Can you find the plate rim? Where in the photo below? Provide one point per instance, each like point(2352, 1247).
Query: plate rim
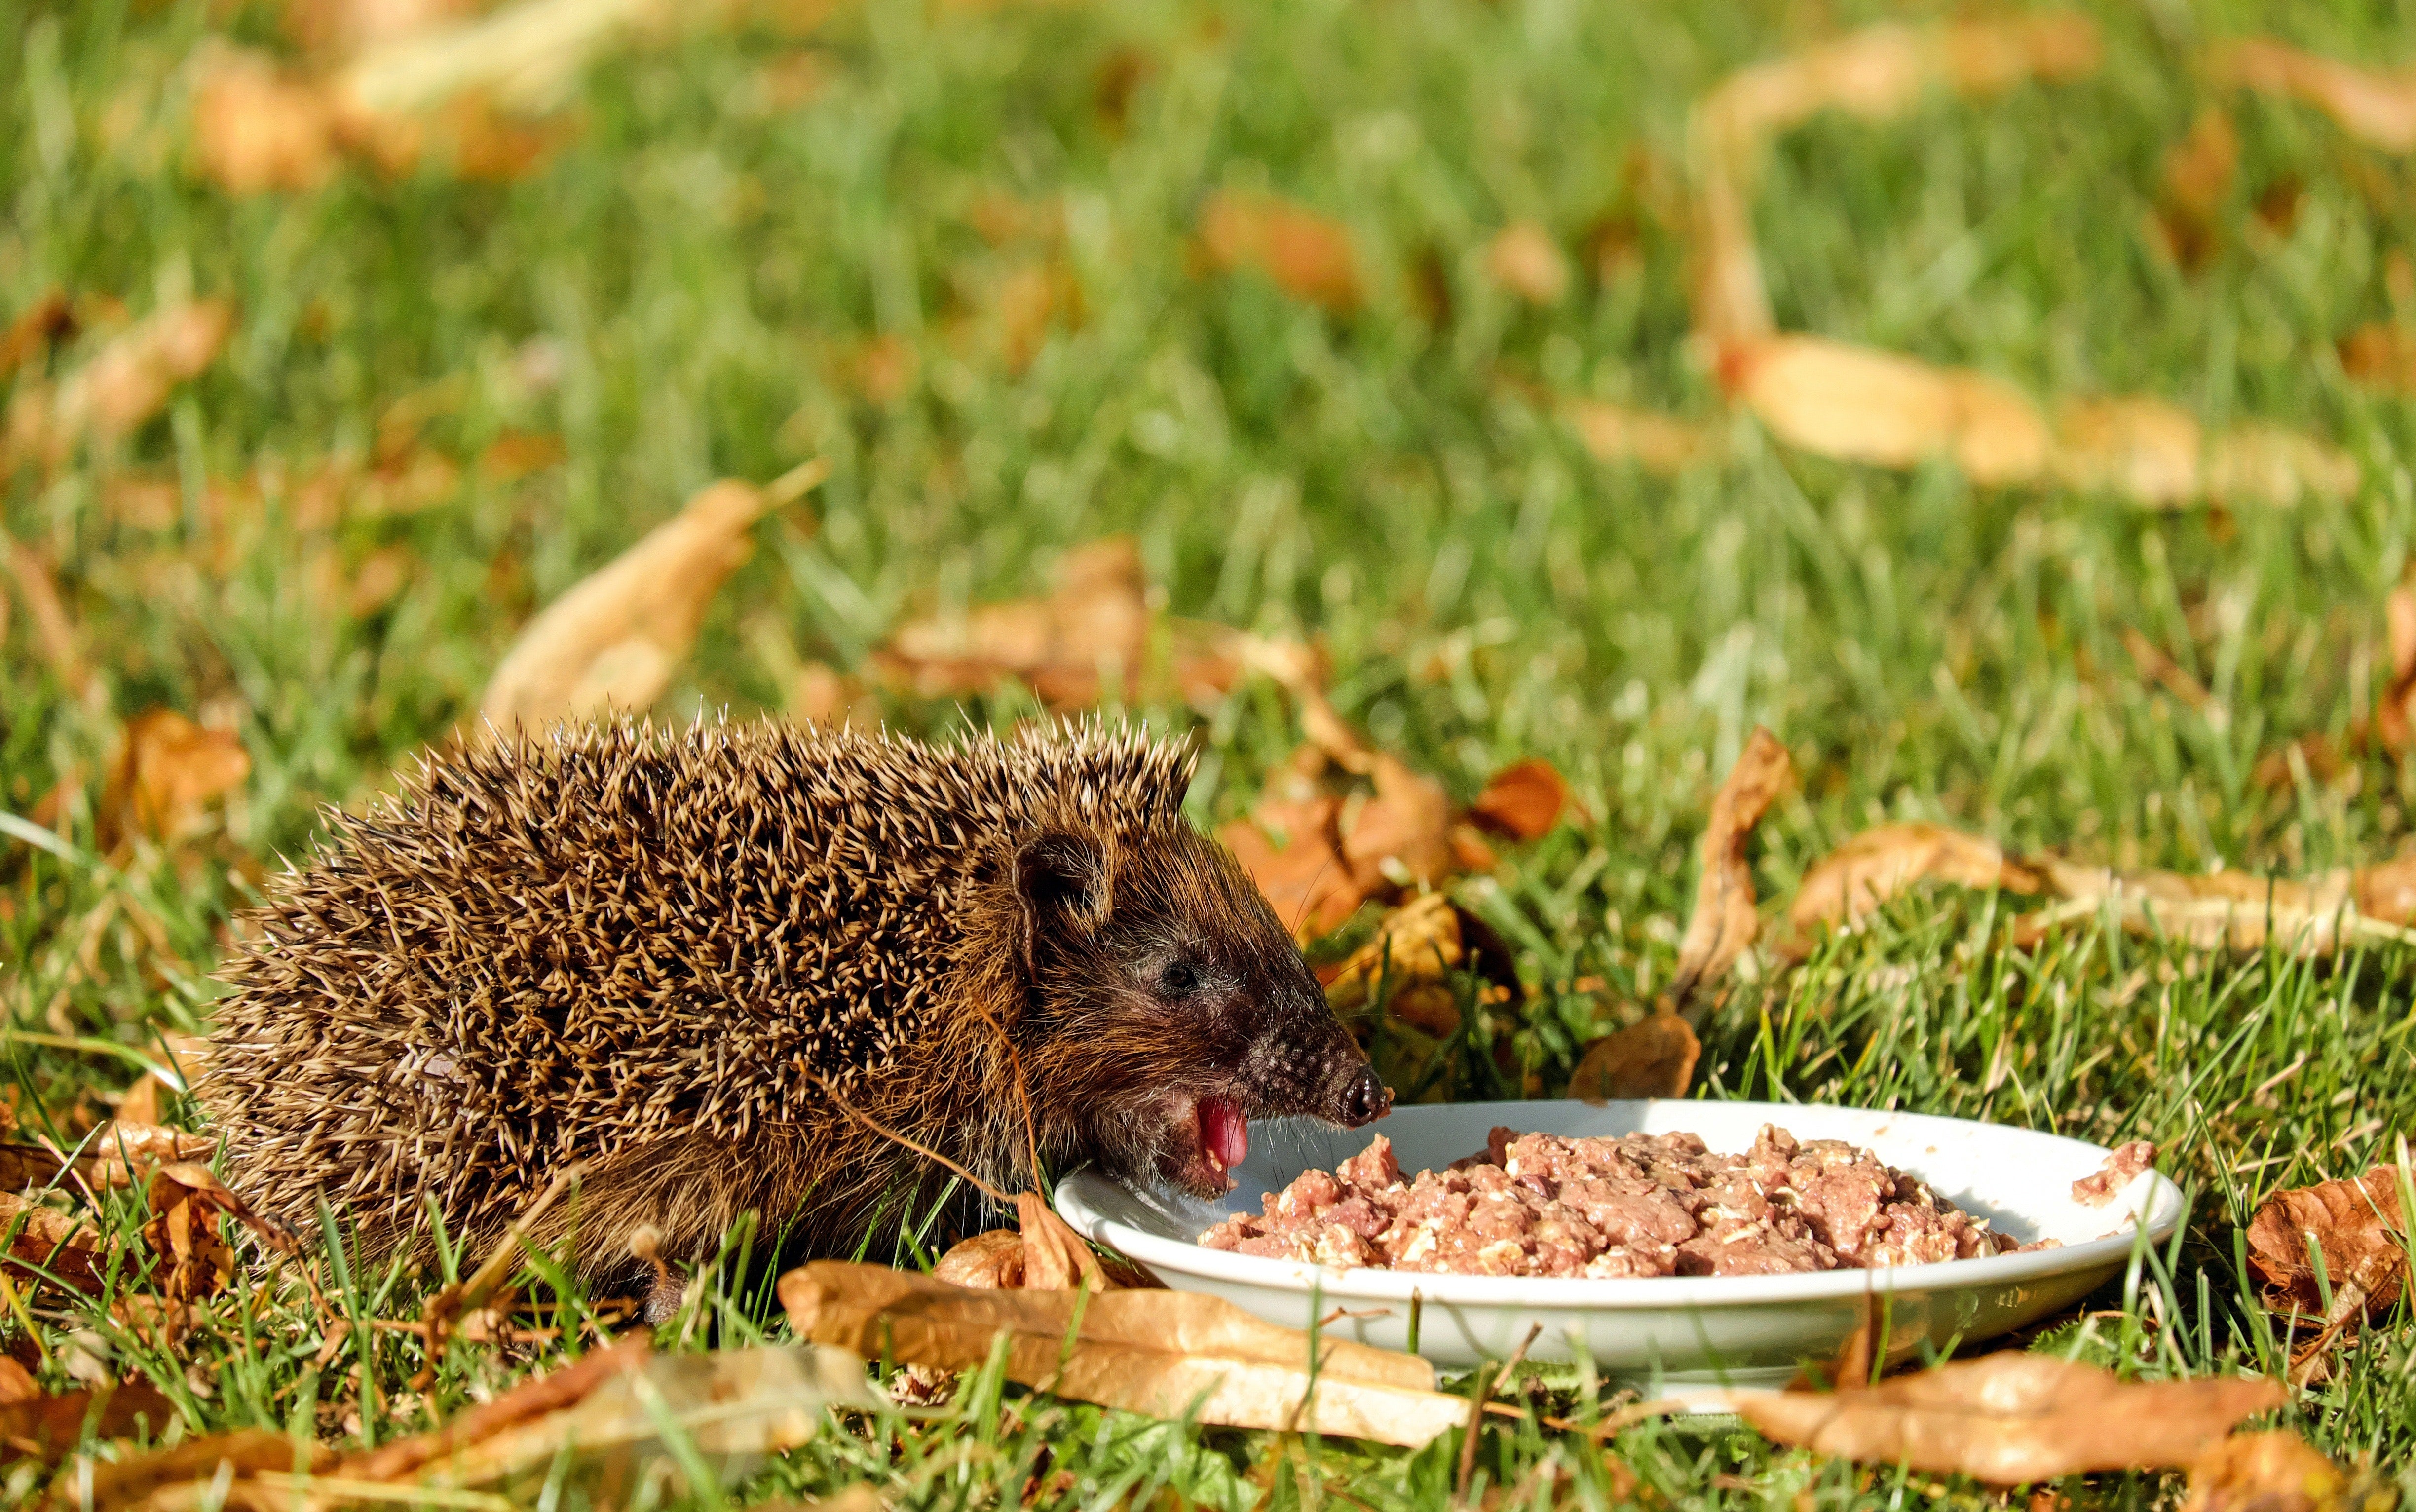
point(2157, 1215)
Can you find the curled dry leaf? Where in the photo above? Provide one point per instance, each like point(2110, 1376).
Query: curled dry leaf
point(1166, 1353)
point(1724, 922)
point(166, 771)
point(2270, 1472)
point(1055, 1258)
point(122, 386)
point(1874, 73)
point(2376, 106)
point(1402, 833)
point(992, 1262)
point(2011, 1418)
point(1525, 260)
point(1653, 1059)
point(617, 638)
point(2358, 1226)
point(52, 1428)
point(2380, 355)
point(195, 1260)
point(1305, 254)
point(2236, 910)
point(36, 329)
point(1523, 800)
point(1092, 631)
point(1853, 881)
point(255, 129)
point(45, 1242)
point(2197, 178)
point(1291, 847)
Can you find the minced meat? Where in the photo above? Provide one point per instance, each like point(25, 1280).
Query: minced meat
point(1643, 1205)
point(2120, 1169)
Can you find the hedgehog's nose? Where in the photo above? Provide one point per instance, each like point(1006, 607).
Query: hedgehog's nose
point(1364, 1099)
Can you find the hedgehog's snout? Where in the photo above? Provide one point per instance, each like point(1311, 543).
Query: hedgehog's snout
point(1364, 1098)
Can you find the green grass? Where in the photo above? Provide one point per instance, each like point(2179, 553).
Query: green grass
point(698, 270)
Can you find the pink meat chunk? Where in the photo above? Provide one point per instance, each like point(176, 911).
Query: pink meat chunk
point(2120, 1169)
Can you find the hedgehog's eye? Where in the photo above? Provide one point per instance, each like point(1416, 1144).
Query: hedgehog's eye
point(1180, 979)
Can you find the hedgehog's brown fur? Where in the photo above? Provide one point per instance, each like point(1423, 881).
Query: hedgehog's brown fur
point(651, 950)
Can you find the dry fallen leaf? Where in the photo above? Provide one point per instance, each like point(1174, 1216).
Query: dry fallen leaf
point(2381, 355)
point(2199, 172)
point(1862, 405)
point(2156, 454)
point(2013, 1417)
point(40, 326)
point(1851, 882)
point(1305, 254)
point(2376, 106)
point(1293, 849)
point(255, 129)
point(195, 1260)
point(1524, 800)
point(1402, 833)
point(1874, 73)
point(2236, 910)
point(50, 1427)
point(1164, 1353)
point(2270, 1471)
point(1724, 923)
point(167, 772)
point(1092, 632)
point(992, 1262)
point(2357, 1225)
point(43, 1241)
point(1525, 260)
point(1653, 1059)
point(123, 385)
point(618, 636)
point(1425, 940)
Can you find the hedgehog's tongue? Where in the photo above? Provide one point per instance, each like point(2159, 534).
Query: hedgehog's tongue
point(1224, 1133)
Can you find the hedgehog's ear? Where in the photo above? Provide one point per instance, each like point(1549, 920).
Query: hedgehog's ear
point(1062, 879)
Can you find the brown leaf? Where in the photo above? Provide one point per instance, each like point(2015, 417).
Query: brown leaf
point(533, 1398)
point(2012, 1417)
point(617, 638)
point(989, 1262)
point(46, 1238)
point(51, 1428)
point(2235, 909)
point(1525, 260)
point(195, 1260)
point(37, 327)
point(1402, 833)
point(2198, 178)
point(2380, 355)
point(1305, 878)
point(1851, 882)
point(1305, 254)
point(1860, 404)
point(2270, 1472)
point(243, 1453)
point(1419, 942)
point(1524, 800)
point(1724, 922)
point(166, 771)
point(255, 131)
point(1662, 445)
point(1158, 1353)
point(2376, 106)
point(2355, 1221)
point(1653, 1059)
point(124, 384)
point(123, 1151)
point(2157, 455)
point(1093, 630)
point(16, 1383)
point(1055, 1258)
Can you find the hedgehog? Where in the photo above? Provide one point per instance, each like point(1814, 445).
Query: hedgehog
point(754, 968)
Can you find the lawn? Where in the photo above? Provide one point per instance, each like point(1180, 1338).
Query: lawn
point(958, 252)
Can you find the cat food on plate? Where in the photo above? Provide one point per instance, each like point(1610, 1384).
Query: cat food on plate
point(1634, 1206)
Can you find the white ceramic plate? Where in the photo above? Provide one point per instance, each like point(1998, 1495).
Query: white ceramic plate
point(1742, 1330)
